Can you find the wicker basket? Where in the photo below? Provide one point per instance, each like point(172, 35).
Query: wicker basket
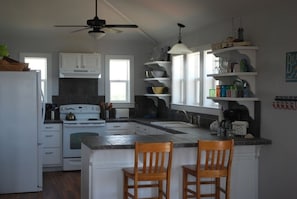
point(8, 66)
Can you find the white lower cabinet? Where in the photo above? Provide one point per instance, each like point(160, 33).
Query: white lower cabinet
point(52, 145)
point(120, 128)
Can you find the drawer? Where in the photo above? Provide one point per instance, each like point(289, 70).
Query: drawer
point(52, 127)
point(51, 139)
point(52, 156)
point(120, 132)
point(119, 125)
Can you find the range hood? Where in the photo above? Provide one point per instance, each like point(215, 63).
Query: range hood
point(80, 65)
point(79, 73)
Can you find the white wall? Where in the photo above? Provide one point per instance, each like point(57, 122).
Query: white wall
point(46, 44)
point(274, 31)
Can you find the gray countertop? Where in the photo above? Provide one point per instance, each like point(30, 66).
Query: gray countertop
point(181, 137)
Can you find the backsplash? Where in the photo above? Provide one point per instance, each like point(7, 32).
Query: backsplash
point(78, 91)
point(78, 87)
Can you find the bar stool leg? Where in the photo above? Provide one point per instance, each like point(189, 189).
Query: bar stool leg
point(125, 194)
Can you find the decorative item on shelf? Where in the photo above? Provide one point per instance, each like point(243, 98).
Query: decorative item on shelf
point(158, 89)
point(148, 74)
point(157, 73)
point(285, 102)
point(8, 64)
point(3, 51)
point(244, 66)
point(179, 48)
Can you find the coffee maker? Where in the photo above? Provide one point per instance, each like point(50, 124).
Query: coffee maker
point(231, 115)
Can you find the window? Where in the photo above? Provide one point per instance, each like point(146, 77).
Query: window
point(119, 80)
point(39, 62)
point(190, 82)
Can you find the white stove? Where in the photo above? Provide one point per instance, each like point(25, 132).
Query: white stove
point(87, 123)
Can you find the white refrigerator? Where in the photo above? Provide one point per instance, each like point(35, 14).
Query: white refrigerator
point(20, 132)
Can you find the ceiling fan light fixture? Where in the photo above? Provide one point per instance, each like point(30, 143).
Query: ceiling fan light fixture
point(179, 48)
point(97, 34)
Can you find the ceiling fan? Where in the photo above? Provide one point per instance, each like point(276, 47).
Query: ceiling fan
point(98, 26)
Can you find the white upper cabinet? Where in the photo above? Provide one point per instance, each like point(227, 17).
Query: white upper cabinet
point(80, 65)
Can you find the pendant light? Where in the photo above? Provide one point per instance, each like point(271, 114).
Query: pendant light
point(179, 48)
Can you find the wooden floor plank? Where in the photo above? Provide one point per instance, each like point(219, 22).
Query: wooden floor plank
point(56, 185)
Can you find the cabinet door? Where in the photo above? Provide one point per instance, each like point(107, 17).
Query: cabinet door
point(91, 62)
point(70, 61)
point(120, 128)
point(52, 144)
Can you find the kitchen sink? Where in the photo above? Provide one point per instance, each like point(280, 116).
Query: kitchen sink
point(174, 124)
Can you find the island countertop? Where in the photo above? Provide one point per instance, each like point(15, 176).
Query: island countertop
point(188, 139)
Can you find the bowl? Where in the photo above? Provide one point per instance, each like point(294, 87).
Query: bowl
point(158, 89)
point(157, 73)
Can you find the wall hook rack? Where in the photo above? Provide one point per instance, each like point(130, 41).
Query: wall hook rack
point(285, 102)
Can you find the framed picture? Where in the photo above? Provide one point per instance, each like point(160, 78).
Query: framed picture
point(291, 66)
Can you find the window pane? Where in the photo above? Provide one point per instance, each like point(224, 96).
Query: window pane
point(118, 91)
point(210, 64)
point(178, 79)
point(38, 63)
point(193, 78)
point(119, 69)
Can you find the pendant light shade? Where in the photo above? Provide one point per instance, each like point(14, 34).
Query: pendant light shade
point(179, 48)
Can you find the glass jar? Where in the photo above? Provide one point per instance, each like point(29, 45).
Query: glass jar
point(218, 91)
point(223, 90)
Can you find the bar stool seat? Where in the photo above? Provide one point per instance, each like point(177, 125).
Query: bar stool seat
point(152, 164)
point(214, 160)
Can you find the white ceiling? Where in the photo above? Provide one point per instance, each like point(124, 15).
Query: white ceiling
point(157, 19)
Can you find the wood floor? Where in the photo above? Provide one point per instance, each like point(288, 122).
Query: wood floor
point(56, 185)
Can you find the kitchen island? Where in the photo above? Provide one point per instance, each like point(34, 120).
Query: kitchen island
point(103, 158)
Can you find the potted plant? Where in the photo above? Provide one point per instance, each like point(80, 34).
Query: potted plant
point(3, 51)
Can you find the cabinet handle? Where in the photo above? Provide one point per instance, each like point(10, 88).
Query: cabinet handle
point(116, 126)
point(48, 136)
point(49, 127)
point(48, 153)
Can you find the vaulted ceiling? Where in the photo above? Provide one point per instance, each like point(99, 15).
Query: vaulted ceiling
point(157, 19)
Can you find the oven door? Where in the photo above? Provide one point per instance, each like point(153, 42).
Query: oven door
point(72, 136)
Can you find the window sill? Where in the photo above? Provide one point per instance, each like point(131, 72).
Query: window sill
point(123, 105)
point(197, 109)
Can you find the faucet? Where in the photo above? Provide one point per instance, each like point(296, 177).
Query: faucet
point(185, 115)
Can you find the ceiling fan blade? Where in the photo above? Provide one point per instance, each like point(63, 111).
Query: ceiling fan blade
point(121, 26)
point(82, 29)
point(71, 26)
point(111, 30)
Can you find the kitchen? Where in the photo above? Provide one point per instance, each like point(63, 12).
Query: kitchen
point(271, 30)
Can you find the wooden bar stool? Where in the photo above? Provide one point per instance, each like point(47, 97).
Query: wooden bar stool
point(155, 168)
point(214, 159)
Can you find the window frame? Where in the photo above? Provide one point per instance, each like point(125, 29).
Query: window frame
point(201, 108)
point(130, 89)
point(47, 82)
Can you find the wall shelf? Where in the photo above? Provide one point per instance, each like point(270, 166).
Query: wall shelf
point(238, 99)
point(236, 74)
